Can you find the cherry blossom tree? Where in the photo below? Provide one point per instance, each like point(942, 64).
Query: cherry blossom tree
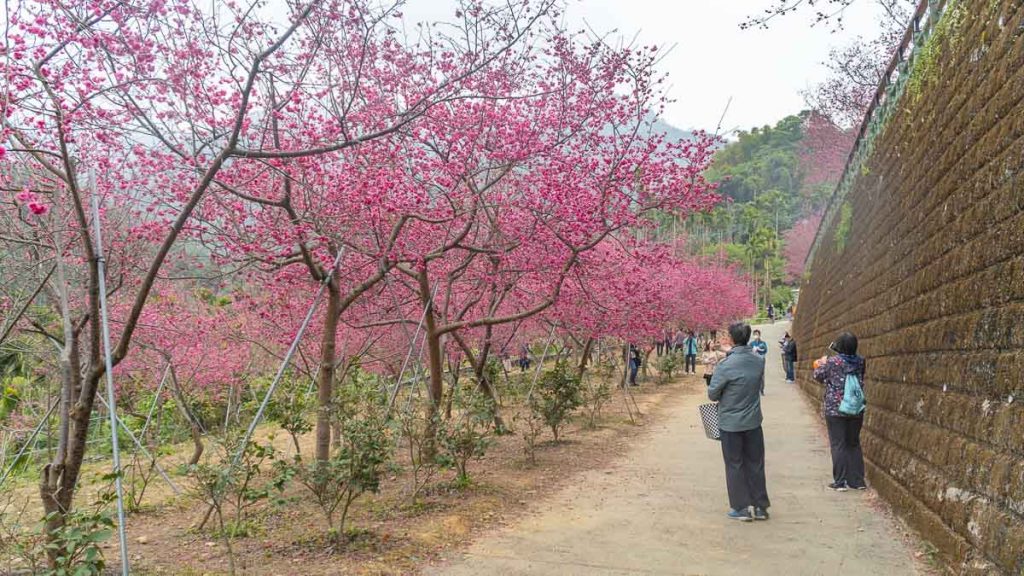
point(797, 242)
point(824, 150)
point(176, 108)
point(831, 12)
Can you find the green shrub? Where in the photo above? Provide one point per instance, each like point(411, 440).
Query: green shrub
point(558, 394)
point(468, 435)
point(360, 459)
point(668, 364)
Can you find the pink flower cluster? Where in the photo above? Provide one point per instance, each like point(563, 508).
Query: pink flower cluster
point(32, 202)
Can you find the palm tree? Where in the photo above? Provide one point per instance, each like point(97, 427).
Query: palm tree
point(761, 248)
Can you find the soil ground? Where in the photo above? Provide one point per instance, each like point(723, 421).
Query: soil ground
point(391, 535)
point(661, 509)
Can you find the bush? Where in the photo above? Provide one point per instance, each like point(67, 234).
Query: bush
point(595, 397)
point(289, 410)
point(668, 364)
point(467, 436)
point(76, 546)
point(530, 424)
point(412, 425)
point(557, 395)
point(230, 490)
point(360, 460)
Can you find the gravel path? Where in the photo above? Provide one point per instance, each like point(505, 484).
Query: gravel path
point(661, 510)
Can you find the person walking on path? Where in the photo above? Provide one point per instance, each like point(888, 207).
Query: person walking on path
point(524, 358)
point(678, 342)
point(710, 358)
point(788, 346)
point(843, 417)
point(736, 385)
point(690, 348)
point(771, 313)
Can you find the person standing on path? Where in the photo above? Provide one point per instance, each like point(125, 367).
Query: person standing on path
point(758, 346)
point(524, 358)
point(635, 360)
point(690, 348)
point(843, 429)
point(678, 342)
point(712, 356)
point(788, 347)
point(737, 384)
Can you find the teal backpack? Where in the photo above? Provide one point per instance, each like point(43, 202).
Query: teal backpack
point(853, 397)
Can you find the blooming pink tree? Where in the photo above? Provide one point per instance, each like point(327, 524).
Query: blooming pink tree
point(178, 111)
point(824, 150)
point(797, 243)
point(636, 293)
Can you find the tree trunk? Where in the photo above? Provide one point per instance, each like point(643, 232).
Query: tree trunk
point(479, 364)
point(588, 346)
point(193, 423)
point(484, 381)
point(325, 378)
point(435, 386)
point(453, 369)
point(59, 478)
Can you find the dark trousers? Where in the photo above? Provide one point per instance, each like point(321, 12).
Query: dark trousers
point(787, 365)
point(633, 368)
point(707, 380)
point(847, 455)
point(660, 346)
point(691, 363)
point(744, 468)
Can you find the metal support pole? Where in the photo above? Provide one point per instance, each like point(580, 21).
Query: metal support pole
point(145, 452)
point(412, 345)
point(156, 400)
point(111, 401)
point(28, 443)
point(540, 365)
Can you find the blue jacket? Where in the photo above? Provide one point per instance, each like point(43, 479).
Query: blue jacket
point(760, 347)
point(690, 345)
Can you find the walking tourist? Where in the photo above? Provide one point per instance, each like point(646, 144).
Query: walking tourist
point(843, 407)
point(735, 385)
point(690, 347)
point(771, 313)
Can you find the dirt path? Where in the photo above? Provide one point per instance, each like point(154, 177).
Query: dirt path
point(662, 509)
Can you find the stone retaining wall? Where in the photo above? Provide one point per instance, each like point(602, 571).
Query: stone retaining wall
point(929, 274)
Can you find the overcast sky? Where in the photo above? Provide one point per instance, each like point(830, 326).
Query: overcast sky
point(763, 70)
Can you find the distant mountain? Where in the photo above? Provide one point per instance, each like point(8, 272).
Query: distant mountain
point(674, 134)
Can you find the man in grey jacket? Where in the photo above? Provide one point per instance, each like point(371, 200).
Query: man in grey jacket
point(736, 385)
